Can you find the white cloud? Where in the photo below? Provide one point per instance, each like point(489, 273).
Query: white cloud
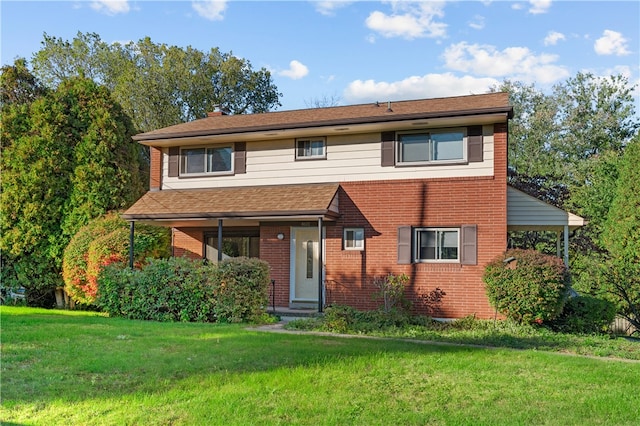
point(296, 70)
point(210, 9)
point(328, 7)
point(409, 20)
point(539, 6)
point(110, 7)
point(553, 37)
point(517, 63)
point(477, 23)
point(611, 43)
point(417, 87)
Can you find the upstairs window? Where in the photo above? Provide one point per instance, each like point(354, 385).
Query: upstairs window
point(447, 145)
point(308, 149)
point(211, 160)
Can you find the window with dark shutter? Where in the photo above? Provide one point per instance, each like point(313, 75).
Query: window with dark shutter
point(404, 245)
point(388, 149)
point(174, 161)
point(240, 157)
point(474, 144)
point(469, 242)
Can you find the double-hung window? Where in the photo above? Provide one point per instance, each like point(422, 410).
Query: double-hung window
point(307, 149)
point(207, 160)
point(445, 145)
point(437, 244)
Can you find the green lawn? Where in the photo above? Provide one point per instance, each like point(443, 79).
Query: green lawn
point(80, 368)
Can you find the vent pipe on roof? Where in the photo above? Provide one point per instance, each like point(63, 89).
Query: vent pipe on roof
point(389, 107)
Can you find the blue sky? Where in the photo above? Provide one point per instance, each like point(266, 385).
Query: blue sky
point(356, 52)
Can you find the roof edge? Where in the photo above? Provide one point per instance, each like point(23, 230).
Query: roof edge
point(508, 110)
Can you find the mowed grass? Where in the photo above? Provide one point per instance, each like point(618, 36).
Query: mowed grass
point(76, 368)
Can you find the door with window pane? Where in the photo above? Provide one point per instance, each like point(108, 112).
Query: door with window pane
point(306, 265)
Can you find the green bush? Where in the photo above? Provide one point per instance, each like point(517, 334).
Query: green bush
point(241, 289)
point(179, 289)
point(585, 315)
point(532, 288)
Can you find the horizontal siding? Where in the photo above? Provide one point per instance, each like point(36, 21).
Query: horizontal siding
point(349, 158)
point(525, 210)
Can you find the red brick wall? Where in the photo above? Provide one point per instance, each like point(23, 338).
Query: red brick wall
point(380, 207)
point(155, 172)
point(277, 253)
point(188, 242)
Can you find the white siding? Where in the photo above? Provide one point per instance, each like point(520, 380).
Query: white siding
point(349, 158)
point(527, 212)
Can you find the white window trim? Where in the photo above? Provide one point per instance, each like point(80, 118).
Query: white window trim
point(230, 172)
point(416, 248)
point(355, 247)
point(462, 160)
point(312, 157)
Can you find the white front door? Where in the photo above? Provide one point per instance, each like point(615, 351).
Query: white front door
point(305, 265)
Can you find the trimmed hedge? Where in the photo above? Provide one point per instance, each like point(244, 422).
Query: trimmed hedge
point(180, 289)
point(530, 289)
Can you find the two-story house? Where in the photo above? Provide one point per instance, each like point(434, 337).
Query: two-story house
point(333, 197)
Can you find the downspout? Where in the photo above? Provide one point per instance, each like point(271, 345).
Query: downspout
point(132, 228)
point(219, 240)
point(320, 266)
point(566, 245)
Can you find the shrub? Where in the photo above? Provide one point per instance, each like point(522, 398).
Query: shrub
point(104, 241)
point(241, 289)
point(391, 291)
point(585, 315)
point(179, 289)
point(531, 288)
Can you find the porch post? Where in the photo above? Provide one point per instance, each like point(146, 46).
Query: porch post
point(320, 266)
point(566, 245)
point(558, 250)
point(219, 240)
point(132, 227)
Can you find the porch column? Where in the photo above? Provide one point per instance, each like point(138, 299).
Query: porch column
point(219, 240)
point(132, 228)
point(320, 266)
point(566, 245)
point(558, 249)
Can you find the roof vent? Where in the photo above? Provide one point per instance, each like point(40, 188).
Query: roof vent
point(389, 107)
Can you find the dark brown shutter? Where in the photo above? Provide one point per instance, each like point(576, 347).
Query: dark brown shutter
point(240, 157)
point(174, 161)
point(469, 239)
point(474, 144)
point(388, 149)
point(404, 245)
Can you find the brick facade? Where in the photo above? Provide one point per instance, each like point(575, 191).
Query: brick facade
point(380, 207)
point(155, 171)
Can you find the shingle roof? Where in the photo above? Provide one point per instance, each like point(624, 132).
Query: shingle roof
point(243, 202)
point(353, 114)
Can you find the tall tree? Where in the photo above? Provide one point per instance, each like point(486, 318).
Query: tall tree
point(621, 238)
point(71, 159)
point(156, 84)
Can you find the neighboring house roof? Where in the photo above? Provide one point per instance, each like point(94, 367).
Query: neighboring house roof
point(527, 213)
point(485, 104)
point(253, 202)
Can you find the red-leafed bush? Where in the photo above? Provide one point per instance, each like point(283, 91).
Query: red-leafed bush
point(102, 242)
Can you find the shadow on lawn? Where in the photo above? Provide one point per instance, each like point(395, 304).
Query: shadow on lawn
point(55, 357)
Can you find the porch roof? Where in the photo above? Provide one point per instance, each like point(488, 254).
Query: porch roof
point(281, 202)
point(527, 213)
